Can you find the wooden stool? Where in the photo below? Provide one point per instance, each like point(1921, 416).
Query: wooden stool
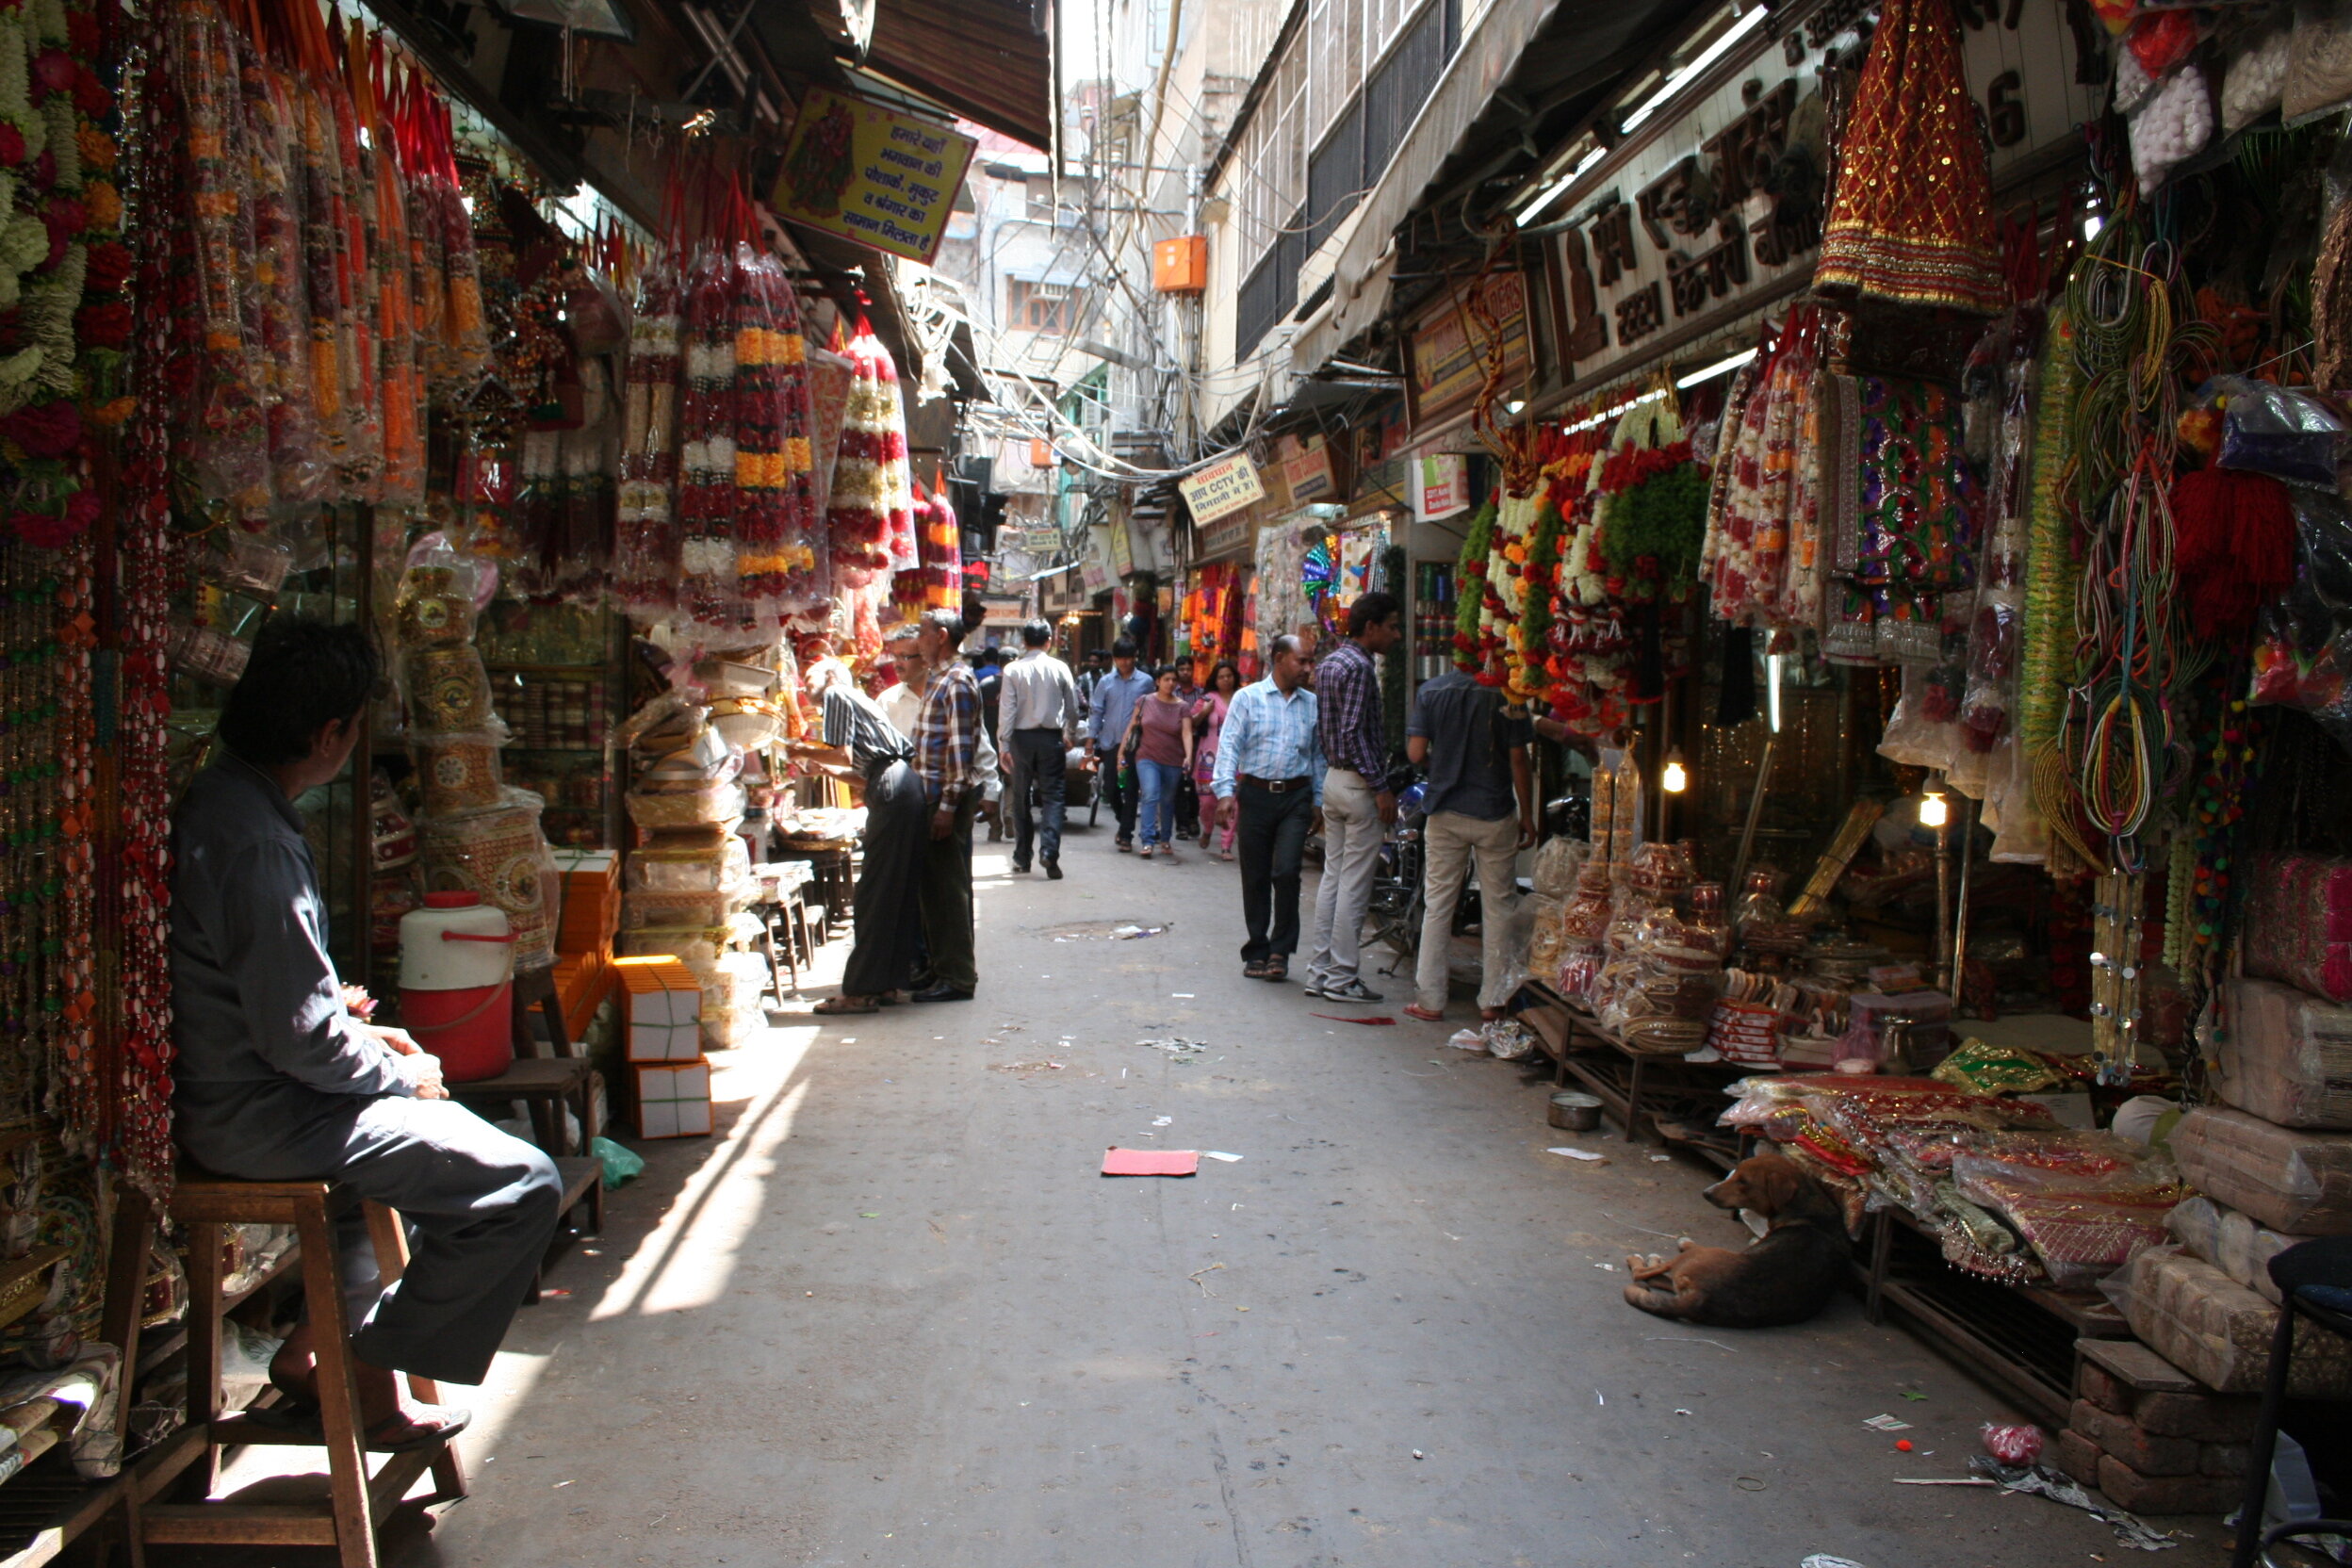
point(358, 1504)
point(548, 1086)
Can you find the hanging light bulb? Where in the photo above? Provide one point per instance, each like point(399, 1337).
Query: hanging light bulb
point(1675, 778)
point(1933, 811)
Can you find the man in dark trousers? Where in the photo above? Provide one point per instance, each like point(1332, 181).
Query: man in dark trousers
point(1037, 725)
point(1115, 699)
point(277, 1081)
point(950, 741)
point(1269, 761)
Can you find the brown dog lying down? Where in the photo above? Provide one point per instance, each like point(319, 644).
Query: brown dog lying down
point(1785, 1276)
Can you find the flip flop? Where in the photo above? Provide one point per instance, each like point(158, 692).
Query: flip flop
point(835, 1006)
point(405, 1434)
point(1413, 1009)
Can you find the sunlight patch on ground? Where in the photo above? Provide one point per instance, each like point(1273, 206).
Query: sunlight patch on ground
point(686, 1264)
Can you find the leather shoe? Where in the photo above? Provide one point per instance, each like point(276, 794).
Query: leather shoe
point(941, 993)
point(1053, 871)
point(1021, 868)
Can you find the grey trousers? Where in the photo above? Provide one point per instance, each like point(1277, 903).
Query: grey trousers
point(1352, 836)
point(480, 1208)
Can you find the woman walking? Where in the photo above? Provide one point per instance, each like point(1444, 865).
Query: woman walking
point(1204, 724)
point(1160, 737)
point(886, 928)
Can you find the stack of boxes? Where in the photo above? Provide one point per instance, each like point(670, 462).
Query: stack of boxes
point(667, 1069)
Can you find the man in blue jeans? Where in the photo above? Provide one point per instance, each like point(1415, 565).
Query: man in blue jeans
point(1114, 699)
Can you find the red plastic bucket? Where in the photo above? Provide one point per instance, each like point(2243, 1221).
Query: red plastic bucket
point(472, 1031)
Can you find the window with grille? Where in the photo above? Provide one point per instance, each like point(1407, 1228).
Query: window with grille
point(1051, 308)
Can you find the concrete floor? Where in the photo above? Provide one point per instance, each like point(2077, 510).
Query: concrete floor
point(892, 1315)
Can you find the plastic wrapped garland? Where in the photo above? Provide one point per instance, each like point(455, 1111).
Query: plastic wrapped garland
point(645, 545)
point(872, 494)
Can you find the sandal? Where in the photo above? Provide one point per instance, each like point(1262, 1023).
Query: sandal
point(403, 1434)
point(1278, 970)
point(833, 1006)
point(1414, 1009)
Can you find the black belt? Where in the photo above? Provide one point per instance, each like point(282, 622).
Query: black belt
point(1278, 786)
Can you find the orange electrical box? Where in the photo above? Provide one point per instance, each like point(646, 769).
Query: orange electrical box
point(1042, 455)
point(1181, 266)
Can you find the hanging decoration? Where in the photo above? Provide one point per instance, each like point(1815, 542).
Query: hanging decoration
point(1911, 222)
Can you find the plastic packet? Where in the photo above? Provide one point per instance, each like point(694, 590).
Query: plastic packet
point(449, 689)
point(2020, 1444)
point(441, 595)
point(1467, 1039)
point(2319, 62)
point(459, 773)
point(1557, 865)
point(709, 803)
point(2273, 430)
point(235, 562)
point(2172, 127)
point(2257, 74)
point(500, 853)
point(716, 868)
point(210, 656)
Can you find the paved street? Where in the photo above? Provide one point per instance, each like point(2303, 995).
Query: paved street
point(891, 1314)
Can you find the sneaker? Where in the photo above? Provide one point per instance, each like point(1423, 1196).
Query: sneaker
point(1313, 992)
point(1353, 990)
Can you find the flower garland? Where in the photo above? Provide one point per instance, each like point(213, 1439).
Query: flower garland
point(872, 496)
point(1654, 522)
point(1542, 578)
point(645, 550)
point(1470, 582)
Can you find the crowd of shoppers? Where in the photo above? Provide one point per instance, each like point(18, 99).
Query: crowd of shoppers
point(1302, 751)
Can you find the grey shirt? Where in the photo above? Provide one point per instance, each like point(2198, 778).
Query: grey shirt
point(1038, 693)
point(1471, 740)
point(256, 1002)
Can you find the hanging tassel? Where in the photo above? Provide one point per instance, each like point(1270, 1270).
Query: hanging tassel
point(2234, 550)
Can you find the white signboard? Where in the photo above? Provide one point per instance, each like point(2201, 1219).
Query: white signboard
point(1684, 232)
point(1222, 488)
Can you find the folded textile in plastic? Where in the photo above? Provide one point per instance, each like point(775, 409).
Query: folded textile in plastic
point(2298, 922)
point(2218, 1331)
point(2237, 1244)
point(2287, 1056)
point(2286, 1178)
point(2085, 1201)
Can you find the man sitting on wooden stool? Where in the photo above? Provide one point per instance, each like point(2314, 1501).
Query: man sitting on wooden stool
point(278, 1081)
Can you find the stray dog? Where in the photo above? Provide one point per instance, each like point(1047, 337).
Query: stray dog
point(1785, 1276)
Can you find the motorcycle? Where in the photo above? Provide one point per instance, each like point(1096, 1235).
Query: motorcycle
point(1397, 902)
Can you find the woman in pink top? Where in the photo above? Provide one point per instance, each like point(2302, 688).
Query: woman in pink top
point(1162, 740)
point(1207, 720)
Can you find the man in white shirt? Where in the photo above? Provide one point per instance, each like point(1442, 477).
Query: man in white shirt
point(1037, 724)
point(902, 702)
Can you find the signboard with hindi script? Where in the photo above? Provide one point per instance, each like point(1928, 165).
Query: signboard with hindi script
point(871, 174)
point(1222, 488)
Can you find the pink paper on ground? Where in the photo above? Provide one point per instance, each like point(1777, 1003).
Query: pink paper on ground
point(1151, 1162)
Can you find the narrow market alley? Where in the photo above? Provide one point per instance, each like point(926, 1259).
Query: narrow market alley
point(890, 1314)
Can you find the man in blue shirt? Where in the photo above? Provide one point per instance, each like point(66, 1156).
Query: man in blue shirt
point(277, 1081)
point(1481, 802)
point(1270, 763)
point(1114, 699)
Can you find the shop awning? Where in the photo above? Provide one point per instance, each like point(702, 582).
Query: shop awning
point(988, 60)
point(1527, 62)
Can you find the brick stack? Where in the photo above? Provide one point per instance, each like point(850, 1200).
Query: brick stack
point(2151, 1437)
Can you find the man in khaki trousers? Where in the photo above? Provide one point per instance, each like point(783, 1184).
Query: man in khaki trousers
point(1481, 802)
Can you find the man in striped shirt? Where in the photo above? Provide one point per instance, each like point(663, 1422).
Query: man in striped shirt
point(1357, 805)
point(1270, 761)
point(948, 741)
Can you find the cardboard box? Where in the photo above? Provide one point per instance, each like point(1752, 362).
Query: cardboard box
point(673, 1099)
point(662, 1010)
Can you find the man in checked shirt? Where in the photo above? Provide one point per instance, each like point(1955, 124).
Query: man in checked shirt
point(1357, 805)
point(948, 745)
